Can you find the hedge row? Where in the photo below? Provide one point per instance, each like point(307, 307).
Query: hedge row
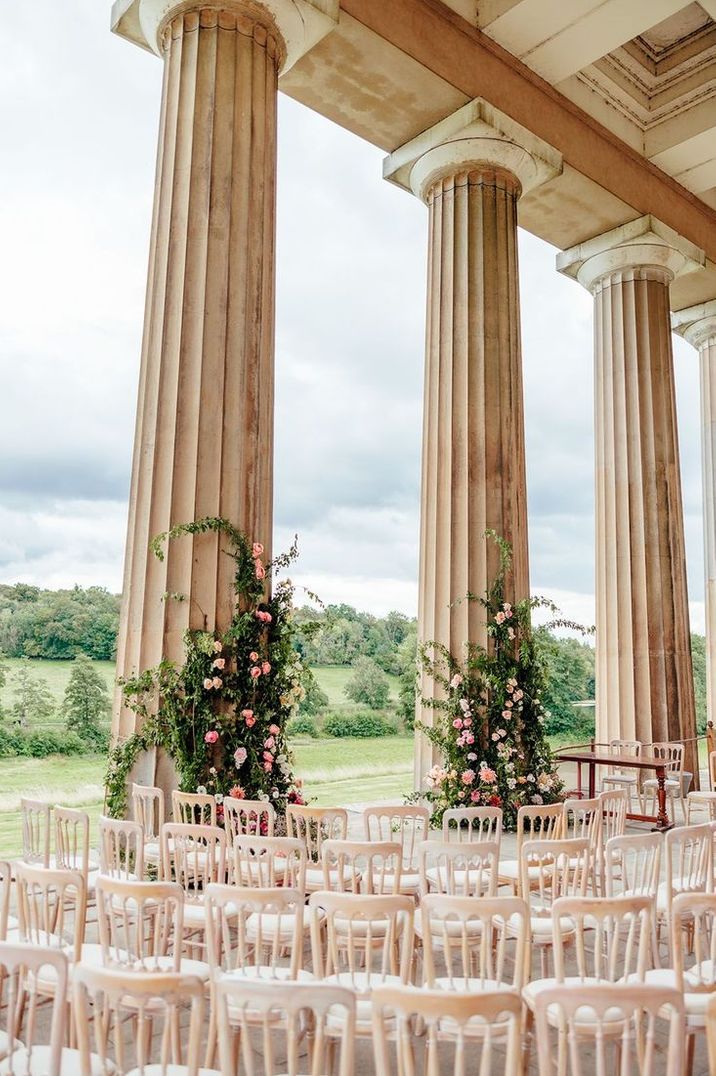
point(17, 744)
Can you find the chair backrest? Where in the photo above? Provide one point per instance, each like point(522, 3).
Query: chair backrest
point(552, 869)
point(458, 868)
point(20, 964)
point(280, 1013)
point(257, 932)
point(671, 751)
point(693, 942)
point(148, 810)
point(248, 818)
point(36, 817)
point(52, 908)
point(5, 890)
point(639, 1016)
point(153, 1005)
point(623, 747)
point(72, 837)
point(466, 1032)
point(367, 938)
point(632, 865)
point(362, 866)
point(539, 822)
point(121, 848)
point(479, 944)
point(583, 818)
point(265, 862)
point(689, 852)
point(140, 924)
point(611, 940)
point(193, 808)
point(472, 824)
point(314, 825)
point(195, 856)
point(614, 811)
point(410, 825)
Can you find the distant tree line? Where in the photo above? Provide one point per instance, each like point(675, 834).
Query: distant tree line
point(58, 624)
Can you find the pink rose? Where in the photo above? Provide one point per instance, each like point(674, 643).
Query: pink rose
point(467, 777)
point(467, 721)
point(457, 723)
point(267, 766)
point(255, 671)
point(208, 683)
point(274, 730)
point(268, 757)
point(260, 570)
point(269, 742)
point(266, 668)
point(240, 756)
point(247, 713)
point(253, 656)
point(217, 647)
point(468, 737)
point(507, 714)
point(256, 549)
point(211, 737)
point(218, 663)
point(267, 618)
point(456, 680)
point(250, 722)
point(217, 682)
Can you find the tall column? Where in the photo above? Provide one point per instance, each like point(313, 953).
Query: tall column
point(644, 677)
point(470, 170)
point(204, 433)
point(698, 325)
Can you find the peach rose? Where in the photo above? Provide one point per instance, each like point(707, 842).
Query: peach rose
point(211, 737)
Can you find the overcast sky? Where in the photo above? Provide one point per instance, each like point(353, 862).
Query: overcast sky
point(78, 125)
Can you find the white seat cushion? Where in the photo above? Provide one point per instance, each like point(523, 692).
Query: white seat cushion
point(5, 1043)
point(314, 878)
point(38, 1063)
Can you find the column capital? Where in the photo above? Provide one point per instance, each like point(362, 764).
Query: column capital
point(697, 324)
point(474, 136)
point(300, 23)
point(644, 243)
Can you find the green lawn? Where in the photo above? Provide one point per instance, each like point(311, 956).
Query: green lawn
point(333, 679)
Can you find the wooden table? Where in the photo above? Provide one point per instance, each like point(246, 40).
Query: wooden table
point(637, 762)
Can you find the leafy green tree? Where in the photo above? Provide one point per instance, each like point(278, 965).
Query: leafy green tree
point(369, 684)
point(3, 670)
point(86, 702)
point(568, 668)
point(408, 674)
point(698, 657)
point(32, 695)
point(315, 700)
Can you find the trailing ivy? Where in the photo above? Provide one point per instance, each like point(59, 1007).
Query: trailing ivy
point(221, 715)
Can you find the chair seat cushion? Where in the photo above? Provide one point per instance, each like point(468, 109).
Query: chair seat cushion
point(37, 1063)
point(314, 878)
point(470, 881)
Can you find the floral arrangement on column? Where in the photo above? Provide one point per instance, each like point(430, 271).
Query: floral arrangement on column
point(488, 718)
point(221, 714)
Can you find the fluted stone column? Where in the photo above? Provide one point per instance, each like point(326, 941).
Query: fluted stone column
point(470, 171)
point(644, 679)
point(204, 433)
point(698, 325)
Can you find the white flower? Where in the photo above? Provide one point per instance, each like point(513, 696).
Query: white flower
point(464, 706)
point(201, 790)
point(263, 796)
point(219, 798)
point(511, 782)
point(537, 799)
point(495, 736)
point(544, 782)
point(531, 778)
point(472, 756)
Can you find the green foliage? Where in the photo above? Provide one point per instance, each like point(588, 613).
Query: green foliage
point(15, 743)
point(221, 715)
point(488, 720)
point(698, 657)
point(32, 697)
point(302, 725)
point(314, 699)
point(568, 667)
point(408, 665)
point(360, 723)
point(86, 701)
point(3, 671)
point(342, 635)
point(58, 624)
point(369, 684)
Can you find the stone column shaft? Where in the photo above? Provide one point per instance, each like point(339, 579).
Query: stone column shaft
point(204, 436)
point(644, 679)
point(470, 169)
point(698, 325)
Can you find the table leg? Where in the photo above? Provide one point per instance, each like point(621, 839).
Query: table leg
point(579, 780)
point(592, 780)
point(662, 818)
